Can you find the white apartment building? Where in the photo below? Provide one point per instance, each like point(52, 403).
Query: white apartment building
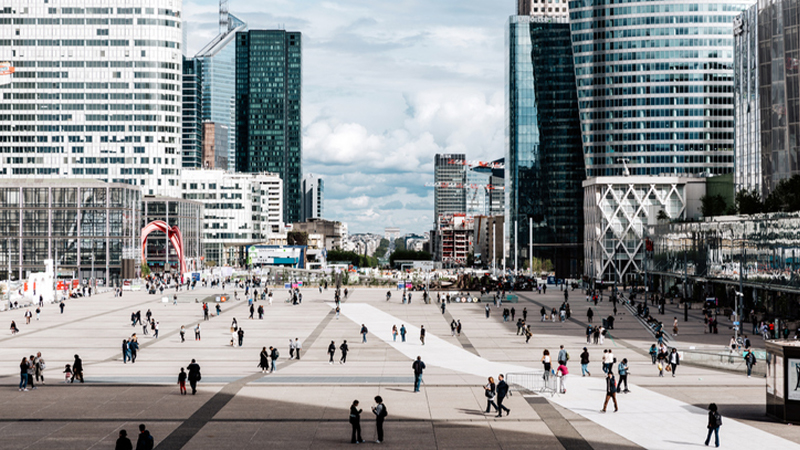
point(241, 209)
point(96, 91)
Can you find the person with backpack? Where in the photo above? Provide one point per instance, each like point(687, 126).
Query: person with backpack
point(750, 361)
point(193, 375)
point(344, 349)
point(145, 441)
point(273, 356)
point(331, 351)
point(364, 332)
point(714, 422)
point(622, 368)
point(380, 415)
point(611, 391)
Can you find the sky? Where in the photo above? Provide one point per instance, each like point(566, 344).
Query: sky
point(387, 84)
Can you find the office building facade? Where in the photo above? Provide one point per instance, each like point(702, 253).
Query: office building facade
point(268, 115)
point(450, 178)
point(544, 160)
point(191, 115)
point(96, 92)
point(313, 196)
point(655, 85)
point(746, 110)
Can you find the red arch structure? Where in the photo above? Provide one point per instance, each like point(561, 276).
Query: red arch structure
point(174, 237)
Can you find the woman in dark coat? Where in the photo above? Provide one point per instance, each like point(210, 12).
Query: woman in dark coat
point(355, 422)
point(264, 361)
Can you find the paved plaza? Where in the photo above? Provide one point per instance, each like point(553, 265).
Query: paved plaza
point(305, 403)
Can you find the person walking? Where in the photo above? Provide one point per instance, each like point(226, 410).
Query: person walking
point(622, 369)
point(444, 306)
point(145, 441)
point(525, 314)
point(653, 353)
point(453, 328)
point(133, 348)
point(273, 356)
point(380, 415)
point(418, 367)
point(589, 315)
point(562, 373)
point(547, 365)
point(240, 333)
point(750, 361)
point(123, 443)
point(183, 334)
point(194, 375)
point(297, 347)
point(402, 332)
point(611, 391)
point(291, 348)
point(502, 392)
point(344, 349)
point(126, 352)
point(674, 360)
point(458, 327)
point(585, 363)
point(331, 351)
point(487, 311)
point(355, 423)
point(422, 334)
point(714, 422)
point(182, 381)
point(563, 356)
point(263, 360)
point(490, 392)
point(364, 332)
point(77, 369)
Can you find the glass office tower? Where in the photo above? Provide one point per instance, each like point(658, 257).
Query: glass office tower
point(544, 161)
point(268, 120)
point(655, 85)
point(191, 116)
point(746, 139)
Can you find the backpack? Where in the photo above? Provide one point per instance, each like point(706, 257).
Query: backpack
point(567, 356)
point(718, 418)
point(384, 412)
point(276, 353)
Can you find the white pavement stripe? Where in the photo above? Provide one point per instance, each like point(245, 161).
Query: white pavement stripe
point(436, 351)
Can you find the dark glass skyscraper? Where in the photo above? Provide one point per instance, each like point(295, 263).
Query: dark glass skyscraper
point(268, 121)
point(192, 130)
point(544, 160)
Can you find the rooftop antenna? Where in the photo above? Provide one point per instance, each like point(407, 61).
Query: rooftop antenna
point(224, 21)
point(625, 171)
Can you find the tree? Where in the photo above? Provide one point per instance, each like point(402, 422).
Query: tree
point(352, 258)
point(785, 197)
point(713, 205)
point(145, 270)
point(662, 215)
point(409, 255)
point(749, 202)
point(297, 238)
point(383, 247)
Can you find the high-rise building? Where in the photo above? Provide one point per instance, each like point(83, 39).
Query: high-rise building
point(449, 193)
point(767, 98)
point(268, 119)
point(218, 64)
point(191, 118)
point(655, 85)
point(544, 160)
point(313, 195)
point(542, 8)
point(96, 93)
point(215, 146)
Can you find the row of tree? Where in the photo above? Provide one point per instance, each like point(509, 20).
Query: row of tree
point(784, 198)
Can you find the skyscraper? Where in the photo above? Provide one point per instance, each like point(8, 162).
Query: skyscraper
point(96, 93)
point(450, 176)
point(655, 85)
point(746, 110)
point(218, 64)
point(191, 115)
point(544, 161)
point(268, 119)
point(313, 195)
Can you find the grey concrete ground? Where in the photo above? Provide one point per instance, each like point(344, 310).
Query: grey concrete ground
point(305, 404)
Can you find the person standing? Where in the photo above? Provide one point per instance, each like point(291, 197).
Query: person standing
point(182, 381)
point(125, 351)
point(297, 347)
point(23, 374)
point(380, 415)
point(487, 311)
point(490, 392)
point(653, 353)
point(418, 367)
point(343, 348)
point(263, 360)
point(525, 314)
point(77, 369)
point(123, 443)
point(674, 360)
point(194, 375)
point(364, 332)
point(331, 352)
point(394, 333)
point(133, 347)
point(561, 373)
point(402, 332)
point(714, 422)
point(183, 334)
point(355, 423)
point(39, 366)
point(291, 348)
point(458, 327)
point(623, 375)
point(562, 356)
point(422, 334)
point(547, 365)
point(585, 363)
point(61, 306)
point(240, 333)
point(611, 391)
point(675, 326)
point(145, 441)
point(502, 392)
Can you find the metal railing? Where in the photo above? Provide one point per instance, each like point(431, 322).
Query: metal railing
point(535, 381)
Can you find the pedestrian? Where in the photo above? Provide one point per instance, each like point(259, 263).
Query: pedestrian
point(490, 392)
point(28, 316)
point(291, 348)
point(155, 329)
point(502, 392)
point(453, 327)
point(585, 363)
point(123, 443)
point(513, 312)
point(525, 314)
point(126, 352)
point(297, 347)
point(263, 360)
point(77, 369)
point(563, 356)
point(528, 333)
point(543, 313)
point(394, 333)
point(418, 367)
point(622, 369)
point(194, 375)
point(39, 366)
point(487, 311)
point(38, 312)
point(444, 306)
point(422, 334)
point(182, 381)
point(145, 441)
point(562, 373)
point(590, 315)
point(458, 327)
point(14, 329)
point(653, 353)
point(364, 332)
point(546, 363)
point(183, 334)
point(331, 351)
point(252, 311)
point(274, 354)
point(674, 360)
point(714, 422)
point(380, 415)
point(611, 391)
point(23, 375)
point(338, 310)
point(750, 361)
point(675, 326)
point(61, 306)
point(355, 423)
point(67, 373)
point(240, 333)
point(402, 332)
point(343, 348)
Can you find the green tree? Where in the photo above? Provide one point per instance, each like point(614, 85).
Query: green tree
point(713, 205)
point(409, 255)
point(662, 215)
point(785, 197)
point(145, 270)
point(383, 247)
point(297, 238)
point(748, 202)
point(352, 258)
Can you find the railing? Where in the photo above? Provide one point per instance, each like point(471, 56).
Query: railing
point(535, 381)
point(725, 359)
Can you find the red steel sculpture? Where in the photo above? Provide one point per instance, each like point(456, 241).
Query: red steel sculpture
point(174, 237)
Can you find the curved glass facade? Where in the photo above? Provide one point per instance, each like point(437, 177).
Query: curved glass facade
point(655, 85)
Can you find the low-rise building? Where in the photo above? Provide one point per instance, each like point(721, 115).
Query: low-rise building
point(331, 230)
point(454, 233)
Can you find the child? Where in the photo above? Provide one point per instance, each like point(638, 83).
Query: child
point(182, 381)
point(67, 373)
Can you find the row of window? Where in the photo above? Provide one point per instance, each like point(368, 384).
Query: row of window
point(654, 9)
point(632, 113)
point(649, 32)
point(655, 101)
point(651, 20)
point(680, 136)
point(664, 159)
point(666, 54)
point(658, 124)
point(92, 43)
point(88, 107)
point(677, 66)
point(137, 64)
point(656, 78)
point(652, 43)
point(649, 90)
